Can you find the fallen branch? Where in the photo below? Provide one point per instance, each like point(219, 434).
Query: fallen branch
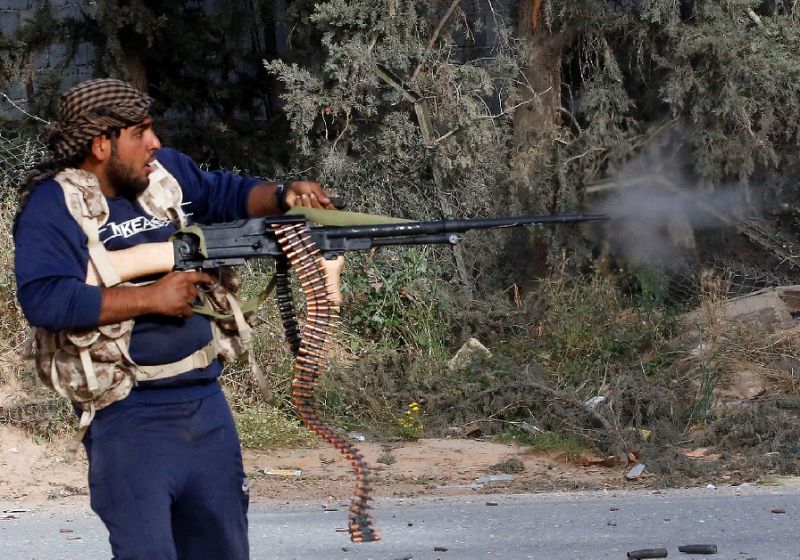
point(527, 381)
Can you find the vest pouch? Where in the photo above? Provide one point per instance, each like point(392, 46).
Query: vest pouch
point(232, 334)
point(231, 328)
point(90, 368)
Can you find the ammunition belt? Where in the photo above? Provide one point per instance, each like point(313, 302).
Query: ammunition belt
point(309, 348)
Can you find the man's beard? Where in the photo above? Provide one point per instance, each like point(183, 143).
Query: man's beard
point(124, 178)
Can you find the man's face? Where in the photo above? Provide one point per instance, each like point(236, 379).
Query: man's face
point(132, 153)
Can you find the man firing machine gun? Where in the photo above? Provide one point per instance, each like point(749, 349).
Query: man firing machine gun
point(116, 279)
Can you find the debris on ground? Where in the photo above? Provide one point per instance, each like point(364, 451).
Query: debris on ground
point(609, 461)
point(698, 549)
point(635, 472)
point(470, 352)
point(282, 472)
point(494, 478)
point(648, 553)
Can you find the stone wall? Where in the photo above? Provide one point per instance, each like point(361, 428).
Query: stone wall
point(55, 63)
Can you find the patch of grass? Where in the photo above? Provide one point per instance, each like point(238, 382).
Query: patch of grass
point(581, 328)
point(371, 392)
point(570, 445)
point(45, 418)
point(703, 406)
point(386, 458)
point(583, 332)
point(263, 426)
point(648, 287)
point(509, 466)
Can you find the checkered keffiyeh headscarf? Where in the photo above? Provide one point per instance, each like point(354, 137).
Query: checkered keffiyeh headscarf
point(92, 109)
point(89, 109)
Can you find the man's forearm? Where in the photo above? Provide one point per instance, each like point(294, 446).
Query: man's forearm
point(172, 295)
point(126, 302)
point(263, 200)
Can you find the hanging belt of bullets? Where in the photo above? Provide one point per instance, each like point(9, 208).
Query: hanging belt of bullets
point(283, 295)
point(322, 313)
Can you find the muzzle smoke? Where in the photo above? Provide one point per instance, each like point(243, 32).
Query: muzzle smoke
point(655, 211)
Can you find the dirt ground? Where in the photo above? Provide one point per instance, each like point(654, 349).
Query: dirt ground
point(32, 473)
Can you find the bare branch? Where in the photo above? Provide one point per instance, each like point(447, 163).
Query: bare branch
point(508, 110)
point(753, 16)
point(573, 119)
point(344, 131)
point(445, 136)
point(611, 427)
point(584, 154)
point(454, 4)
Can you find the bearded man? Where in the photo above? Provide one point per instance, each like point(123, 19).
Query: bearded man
point(165, 466)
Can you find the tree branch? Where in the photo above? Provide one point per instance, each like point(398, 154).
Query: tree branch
point(527, 380)
point(436, 33)
point(753, 16)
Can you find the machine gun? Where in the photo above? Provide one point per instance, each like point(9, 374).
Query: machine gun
point(294, 243)
point(235, 242)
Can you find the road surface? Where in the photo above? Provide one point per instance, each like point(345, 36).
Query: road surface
point(745, 522)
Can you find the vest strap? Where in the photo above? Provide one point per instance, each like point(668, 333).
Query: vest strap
point(88, 370)
point(72, 445)
point(98, 254)
point(200, 359)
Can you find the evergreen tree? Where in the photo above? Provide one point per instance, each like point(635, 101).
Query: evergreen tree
point(528, 119)
point(407, 106)
point(721, 73)
point(498, 106)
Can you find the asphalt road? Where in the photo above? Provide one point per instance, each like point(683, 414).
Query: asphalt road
point(561, 526)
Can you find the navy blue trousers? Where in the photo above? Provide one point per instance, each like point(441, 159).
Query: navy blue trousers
point(167, 478)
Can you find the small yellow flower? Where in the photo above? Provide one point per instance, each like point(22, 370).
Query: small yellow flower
point(410, 422)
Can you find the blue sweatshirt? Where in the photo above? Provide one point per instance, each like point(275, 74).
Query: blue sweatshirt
point(51, 261)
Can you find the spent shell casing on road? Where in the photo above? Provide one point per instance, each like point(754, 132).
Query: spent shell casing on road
point(698, 549)
point(648, 553)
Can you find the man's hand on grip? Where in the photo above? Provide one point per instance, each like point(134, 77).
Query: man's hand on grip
point(176, 292)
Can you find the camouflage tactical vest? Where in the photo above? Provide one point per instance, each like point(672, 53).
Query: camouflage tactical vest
point(93, 368)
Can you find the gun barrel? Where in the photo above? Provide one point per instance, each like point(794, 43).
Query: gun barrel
point(457, 225)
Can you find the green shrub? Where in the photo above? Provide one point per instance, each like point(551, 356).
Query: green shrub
point(395, 300)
